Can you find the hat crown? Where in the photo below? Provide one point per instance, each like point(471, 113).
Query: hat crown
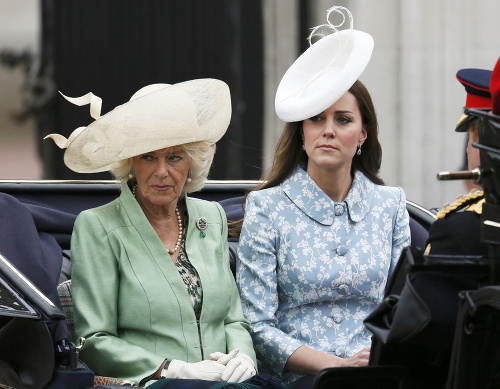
point(477, 85)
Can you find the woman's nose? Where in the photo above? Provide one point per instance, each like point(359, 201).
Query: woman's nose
point(161, 169)
point(329, 129)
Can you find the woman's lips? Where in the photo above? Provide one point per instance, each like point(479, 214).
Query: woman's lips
point(327, 147)
point(161, 187)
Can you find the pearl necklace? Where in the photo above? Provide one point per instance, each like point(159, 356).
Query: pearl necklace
point(179, 224)
point(179, 239)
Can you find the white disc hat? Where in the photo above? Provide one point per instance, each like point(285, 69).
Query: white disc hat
point(325, 71)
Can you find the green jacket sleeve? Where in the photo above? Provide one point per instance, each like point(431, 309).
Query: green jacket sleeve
point(95, 278)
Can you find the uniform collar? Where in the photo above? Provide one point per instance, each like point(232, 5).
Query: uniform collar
point(306, 195)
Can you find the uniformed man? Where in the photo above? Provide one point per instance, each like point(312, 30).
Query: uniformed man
point(457, 228)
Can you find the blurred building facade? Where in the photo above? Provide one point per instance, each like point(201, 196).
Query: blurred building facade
point(419, 46)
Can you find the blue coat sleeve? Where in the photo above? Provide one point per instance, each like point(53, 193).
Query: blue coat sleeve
point(401, 236)
point(258, 284)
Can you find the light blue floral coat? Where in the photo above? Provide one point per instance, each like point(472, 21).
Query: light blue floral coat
point(311, 269)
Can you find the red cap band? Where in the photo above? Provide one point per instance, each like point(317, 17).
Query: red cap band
point(475, 101)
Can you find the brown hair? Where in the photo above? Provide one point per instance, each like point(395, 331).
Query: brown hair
point(289, 153)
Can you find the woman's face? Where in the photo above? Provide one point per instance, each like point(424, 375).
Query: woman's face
point(332, 137)
point(161, 175)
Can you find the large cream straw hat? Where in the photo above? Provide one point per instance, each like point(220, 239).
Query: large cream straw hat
point(325, 71)
point(157, 116)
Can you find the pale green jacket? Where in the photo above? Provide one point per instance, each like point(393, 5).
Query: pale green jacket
point(130, 303)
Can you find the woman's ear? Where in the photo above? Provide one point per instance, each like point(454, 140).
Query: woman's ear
point(363, 136)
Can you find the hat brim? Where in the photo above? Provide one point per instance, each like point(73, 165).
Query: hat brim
point(463, 123)
point(485, 114)
point(191, 111)
point(322, 74)
point(489, 129)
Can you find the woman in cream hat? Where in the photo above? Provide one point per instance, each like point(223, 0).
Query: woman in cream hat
point(322, 234)
point(148, 269)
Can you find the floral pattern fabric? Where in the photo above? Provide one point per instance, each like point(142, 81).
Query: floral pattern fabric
point(311, 269)
point(192, 280)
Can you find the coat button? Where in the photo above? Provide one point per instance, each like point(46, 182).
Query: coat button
point(342, 250)
point(339, 210)
point(344, 288)
point(337, 318)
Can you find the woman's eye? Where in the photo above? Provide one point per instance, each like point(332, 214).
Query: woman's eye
point(315, 119)
point(174, 158)
point(344, 120)
point(147, 157)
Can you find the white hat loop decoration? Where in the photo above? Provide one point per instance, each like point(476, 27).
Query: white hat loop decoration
point(330, 27)
point(325, 71)
point(156, 117)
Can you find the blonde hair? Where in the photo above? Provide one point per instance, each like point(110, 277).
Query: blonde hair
point(201, 155)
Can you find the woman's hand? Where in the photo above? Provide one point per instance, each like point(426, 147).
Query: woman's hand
point(305, 360)
point(238, 366)
point(204, 370)
point(361, 358)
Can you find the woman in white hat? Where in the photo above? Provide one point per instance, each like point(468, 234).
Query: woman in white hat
point(149, 269)
point(322, 234)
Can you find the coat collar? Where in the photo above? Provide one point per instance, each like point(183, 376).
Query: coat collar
point(306, 195)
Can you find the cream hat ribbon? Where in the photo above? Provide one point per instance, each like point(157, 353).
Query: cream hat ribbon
point(95, 112)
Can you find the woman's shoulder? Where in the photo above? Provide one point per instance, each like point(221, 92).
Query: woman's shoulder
point(265, 195)
point(393, 194)
point(196, 202)
point(104, 209)
point(107, 216)
point(393, 190)
point(381, 190)
point(390, 190)
point(206, 207)
point(295, 180)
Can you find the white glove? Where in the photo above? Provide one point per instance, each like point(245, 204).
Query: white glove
point(204, 370)
point(239, 366)
point(222, 358)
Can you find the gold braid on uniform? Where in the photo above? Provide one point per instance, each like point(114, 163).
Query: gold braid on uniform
point(460, 202)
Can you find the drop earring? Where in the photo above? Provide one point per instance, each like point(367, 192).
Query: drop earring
point(359, 150)
point(189, 180)
point(131, 174)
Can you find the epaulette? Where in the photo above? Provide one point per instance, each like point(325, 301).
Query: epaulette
point(461, 202)
point(476, 207)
